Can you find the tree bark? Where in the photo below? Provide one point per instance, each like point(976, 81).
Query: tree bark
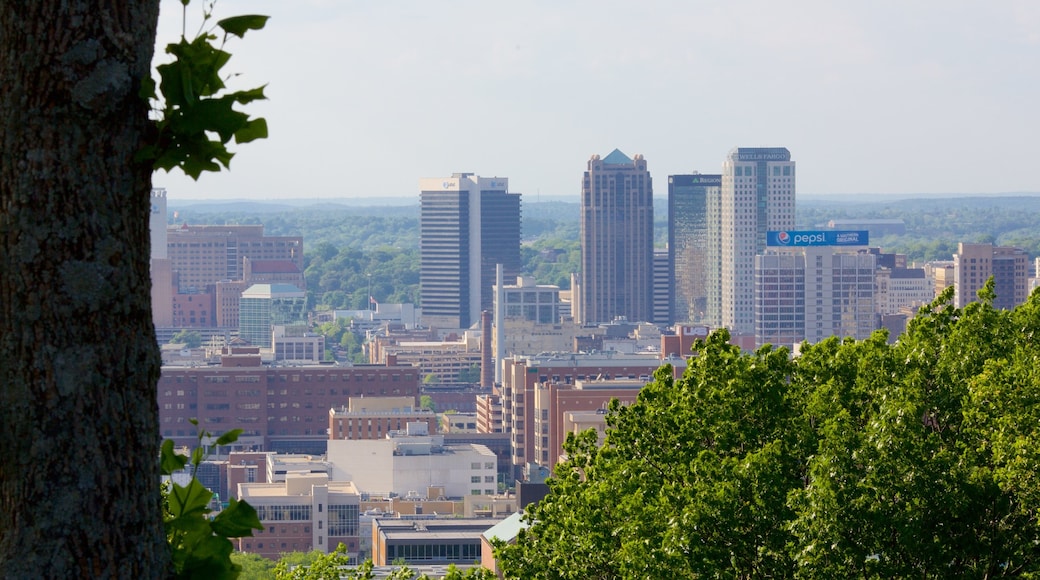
point(79, 470)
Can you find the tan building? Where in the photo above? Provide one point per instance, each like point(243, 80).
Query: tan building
point(973, 264)
point(375, 417)
point(426, 542)
point(206, 254)
point(302, 513)
point(617, 240)
point(445, 361)
point(940, 272)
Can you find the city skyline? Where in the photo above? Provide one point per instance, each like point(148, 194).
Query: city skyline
point(936, 97)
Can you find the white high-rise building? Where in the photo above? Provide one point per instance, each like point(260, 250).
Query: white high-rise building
point(468, 225)
point(757, 195)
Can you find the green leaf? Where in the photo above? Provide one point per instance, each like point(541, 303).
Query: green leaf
point(243, 97)
point(188, 500)
point(197, 455)
point(238, 25)
point(254, 129)
point(237, 520)
point(229, 437)
point(171, 461)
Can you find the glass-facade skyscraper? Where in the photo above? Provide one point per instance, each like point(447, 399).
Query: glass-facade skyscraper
point(689, 244)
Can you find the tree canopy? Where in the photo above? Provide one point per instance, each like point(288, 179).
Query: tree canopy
point(853, 459)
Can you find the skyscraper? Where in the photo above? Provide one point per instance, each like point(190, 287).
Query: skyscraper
point(617, 239)
point(467, 225)
point(689, 242)
point(757, 195)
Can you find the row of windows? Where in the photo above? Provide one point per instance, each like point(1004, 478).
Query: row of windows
point(449, 552)
point(343, 520)
point(274, 513)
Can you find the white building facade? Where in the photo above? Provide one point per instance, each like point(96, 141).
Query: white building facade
point(757, 195)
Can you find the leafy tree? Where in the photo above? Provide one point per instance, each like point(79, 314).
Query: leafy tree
point(470, 375)
point(426, 402)
point(253, 566)
point(79, 362)
point(190, 338)
point(855, 459)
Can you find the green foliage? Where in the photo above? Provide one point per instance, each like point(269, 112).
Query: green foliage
point(426, 402)
point(196, 117)
point(470, 375)
point(253, 566)
point(191, 338)
point(856, 459)
point(336, 566)
point(199, 544)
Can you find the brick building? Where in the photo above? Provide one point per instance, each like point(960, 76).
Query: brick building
point(282, 408)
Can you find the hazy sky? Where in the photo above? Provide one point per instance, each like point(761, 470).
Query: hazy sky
point(886, 96)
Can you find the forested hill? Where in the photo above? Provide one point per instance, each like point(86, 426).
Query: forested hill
point(343, 242)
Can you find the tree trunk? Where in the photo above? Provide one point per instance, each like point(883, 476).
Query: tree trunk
point(79, 470)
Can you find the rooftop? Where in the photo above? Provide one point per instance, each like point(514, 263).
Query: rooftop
point(616, 157)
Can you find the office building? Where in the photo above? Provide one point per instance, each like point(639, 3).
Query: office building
point(813, 285)
point(554, 406)
point(281, 408)
point(757, 196)
point(262, 306)
point(375, 417)
point(304, 512)
point(522, 375)
point(428, 542)
point(202, 255)
point(973, 264)
point(468, 224)
point(617, 240)
point(403, 463)
point(664, 282)
point(689, 244)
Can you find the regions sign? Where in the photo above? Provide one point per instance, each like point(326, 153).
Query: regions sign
point(818, 238)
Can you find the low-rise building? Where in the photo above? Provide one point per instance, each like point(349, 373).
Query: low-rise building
point(424, 542)
point(375, 417)
point(302, 513)
point(407, 464)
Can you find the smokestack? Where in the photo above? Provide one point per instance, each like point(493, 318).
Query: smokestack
point(487, 373)
point(500, 317)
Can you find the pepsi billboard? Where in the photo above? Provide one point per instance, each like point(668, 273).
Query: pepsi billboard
point(818, 238)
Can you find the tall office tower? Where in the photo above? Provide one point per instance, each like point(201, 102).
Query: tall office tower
point(617, 240)
point(689, 240)
point(973, 264)
point(467, 225)
point(757, 195)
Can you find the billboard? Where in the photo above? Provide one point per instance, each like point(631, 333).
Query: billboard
point(817, 238)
